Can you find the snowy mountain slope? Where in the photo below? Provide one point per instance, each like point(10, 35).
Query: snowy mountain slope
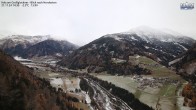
point(165, 35)
point(20, 45)
point(152, 43)
point(22, 39)
point(49, 48)
point(158, 38)
point(186, 64)
point(188, 58)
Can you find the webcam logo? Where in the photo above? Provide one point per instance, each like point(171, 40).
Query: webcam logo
point(186, 6)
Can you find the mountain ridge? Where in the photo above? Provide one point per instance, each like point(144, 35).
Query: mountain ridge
point(49, 47)
point(100, 52)
point(20, 45)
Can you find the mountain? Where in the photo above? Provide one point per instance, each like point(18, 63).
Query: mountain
point(30, 46)
point(186, 64)
point(186, 67)
point(22, 39)
point(103, 53)
point(164, 35)
point(21, 90)
point(16, 44)
point(49, 47)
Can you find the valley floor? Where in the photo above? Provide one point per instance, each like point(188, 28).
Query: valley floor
point(157, 91)
point(162, 97)
point(69, 82)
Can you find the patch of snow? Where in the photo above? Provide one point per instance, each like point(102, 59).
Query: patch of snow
point(176, 60)
point(154, 49)
point(27, 39)
point(159, 59)
point(146, 47)
point(108, 106)
point(163, 40)
point(117, 38)
point(89, 49)
point(133, 38)
point(87, 98)
point(163, 51)
point(181, 46)
point(58, 54)
point(149, 34)
point(53, 62)
point(173, 55)
point(137, 56)
point(94, 46)
point(21, 59)
point(113, 36)
point(112, 53)
point(53, 74)
point(69, 85)
point(18, 58)
point(104, 44)
point(70, 51)
point(56, 81)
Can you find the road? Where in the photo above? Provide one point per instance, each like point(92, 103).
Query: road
point(105, 100)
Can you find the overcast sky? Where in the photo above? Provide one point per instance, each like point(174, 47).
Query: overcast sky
point(81, 21)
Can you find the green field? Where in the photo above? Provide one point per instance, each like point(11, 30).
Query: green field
point(167, 91)
point(163, 98)
point(165, 95)
point(157, 69)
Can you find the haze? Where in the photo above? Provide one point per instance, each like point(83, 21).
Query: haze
point(81, 21)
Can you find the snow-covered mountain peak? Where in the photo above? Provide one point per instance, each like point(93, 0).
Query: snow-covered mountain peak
point(115, 36)
point(148, 31)
point(29, 39)
point(148, 34)
point(145, 30)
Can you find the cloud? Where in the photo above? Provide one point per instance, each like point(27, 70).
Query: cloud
point(81, 21)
